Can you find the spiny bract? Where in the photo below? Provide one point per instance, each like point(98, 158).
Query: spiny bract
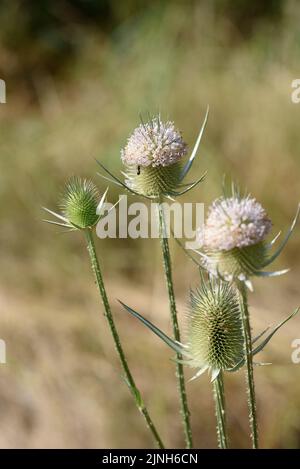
point(80, 201)
point(215, 334)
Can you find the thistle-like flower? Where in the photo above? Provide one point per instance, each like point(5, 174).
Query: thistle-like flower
point(235, 223)
point(214, 338)
point(155, 143)
point(80, 205)
point(233, 239)
point(153, 157)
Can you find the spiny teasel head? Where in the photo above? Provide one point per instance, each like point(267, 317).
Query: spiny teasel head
point(233, 237)
point(79, 203)
point(153, 157)
point(214, 334)
point(214, 330)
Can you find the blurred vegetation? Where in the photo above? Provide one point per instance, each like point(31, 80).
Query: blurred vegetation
point(78, 74)
point(44, 37)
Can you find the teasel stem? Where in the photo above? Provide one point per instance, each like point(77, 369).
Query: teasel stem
point(249, 364)
point(219, 396)
point(176, 332)
point(108, 314)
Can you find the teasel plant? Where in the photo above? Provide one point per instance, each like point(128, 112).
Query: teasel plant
point(214, 339)
point(81, 209)
point(233, 247)
point(154, 169)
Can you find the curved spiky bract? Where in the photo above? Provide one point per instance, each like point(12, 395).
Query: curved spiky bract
point(154, 181)
point(215, 336)
point(80, 201)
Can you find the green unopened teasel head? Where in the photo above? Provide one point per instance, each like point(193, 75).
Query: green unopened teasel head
point(79, 203)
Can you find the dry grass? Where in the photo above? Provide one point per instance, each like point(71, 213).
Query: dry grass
point(62, 383)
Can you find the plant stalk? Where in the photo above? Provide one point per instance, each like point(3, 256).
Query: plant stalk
point(219, 396)
point(108, 314)
point(179, 367)
point(249, 364)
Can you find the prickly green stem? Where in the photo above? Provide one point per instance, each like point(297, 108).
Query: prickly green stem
point(107, 313)
point(179, 368)
point(219, 396)
point(249, 364)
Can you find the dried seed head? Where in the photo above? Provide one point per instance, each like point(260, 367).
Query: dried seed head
point(233, 237)
point(215, 335)
point(80, 202)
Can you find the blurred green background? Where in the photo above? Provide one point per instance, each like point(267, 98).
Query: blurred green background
point(78, 74)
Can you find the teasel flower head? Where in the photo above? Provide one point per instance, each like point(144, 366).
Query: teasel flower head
point(214, 328)
point(153, 159)
point(233, 239)
point(235, 223)
point(214, 333)
point(81, 206)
